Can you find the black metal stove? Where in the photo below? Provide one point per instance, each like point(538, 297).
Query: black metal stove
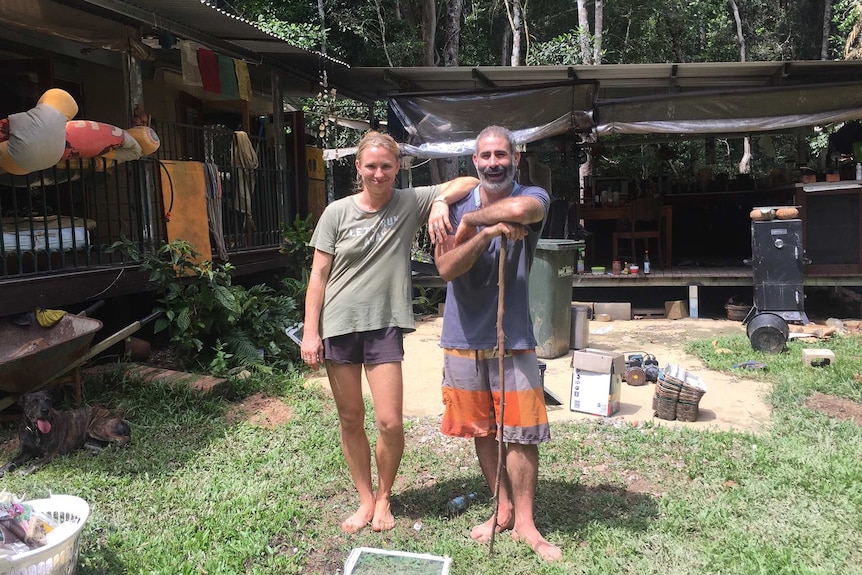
point(777, 271)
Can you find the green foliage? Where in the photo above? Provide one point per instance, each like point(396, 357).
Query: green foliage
point(422, 250)
point(633, 32)
point(199, 492)
point(426, 299)
point(283, 21)
point(563, 50)
point(294, 243)
point(680, 161)
point(386, 32)
point(305, 36)
point(845, 14)
point(218, 364)
point(205, 313)
point(256, 336)
point(795, 381)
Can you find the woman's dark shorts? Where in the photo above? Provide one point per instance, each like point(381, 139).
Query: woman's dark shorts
point(369, 347)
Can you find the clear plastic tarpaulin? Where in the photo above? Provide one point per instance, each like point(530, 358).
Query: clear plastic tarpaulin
point(438, 125)
point(738, 111)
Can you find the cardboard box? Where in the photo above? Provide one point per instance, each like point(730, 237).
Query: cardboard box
point(597, 378)
point(619, 311)
point(677, 309)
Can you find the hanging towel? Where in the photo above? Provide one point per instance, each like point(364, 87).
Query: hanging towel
point(189, 61)
point(214, 209)
point(242, 79)
point(208, 63)
point(227, 75)
point(184, 196)
point(245, 161)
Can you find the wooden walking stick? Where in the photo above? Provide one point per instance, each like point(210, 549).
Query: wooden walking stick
point(501, 355)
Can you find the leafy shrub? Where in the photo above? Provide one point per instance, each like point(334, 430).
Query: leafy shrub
point(295, 240)
point(215, 322)
point(426, 299)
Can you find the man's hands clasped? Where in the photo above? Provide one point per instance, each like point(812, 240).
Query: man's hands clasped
point(512, 231)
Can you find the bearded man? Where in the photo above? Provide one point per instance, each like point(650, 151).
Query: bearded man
point(499, 210)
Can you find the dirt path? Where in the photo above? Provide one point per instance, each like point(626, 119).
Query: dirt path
point(730, 402)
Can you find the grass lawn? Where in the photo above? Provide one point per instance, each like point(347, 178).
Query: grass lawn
point(198, 492)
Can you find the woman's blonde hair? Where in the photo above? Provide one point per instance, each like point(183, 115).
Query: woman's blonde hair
point(374, 139)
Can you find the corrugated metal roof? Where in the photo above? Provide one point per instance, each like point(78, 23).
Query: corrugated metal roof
point(201, 21)
point(227, 33)
point(615, 80)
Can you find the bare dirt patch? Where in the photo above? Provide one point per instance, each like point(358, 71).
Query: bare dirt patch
point(327, 557)
point(260, 410)
point(837, 407)
point(732, 402)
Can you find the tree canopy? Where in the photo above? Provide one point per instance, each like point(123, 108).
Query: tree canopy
point(398, 32)
point(555, 32)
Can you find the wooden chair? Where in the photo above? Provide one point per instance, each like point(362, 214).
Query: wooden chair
point(644, 223)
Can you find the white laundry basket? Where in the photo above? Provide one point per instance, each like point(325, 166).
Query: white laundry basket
point(59, 557)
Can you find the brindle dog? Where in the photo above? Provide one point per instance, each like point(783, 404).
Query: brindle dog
point(45, 433)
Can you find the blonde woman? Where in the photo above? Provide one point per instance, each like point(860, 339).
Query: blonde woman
point(358, 306)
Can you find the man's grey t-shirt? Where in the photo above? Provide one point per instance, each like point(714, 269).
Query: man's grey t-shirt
point(470, 316)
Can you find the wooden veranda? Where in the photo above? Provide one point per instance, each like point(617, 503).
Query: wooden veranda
point(691, 279)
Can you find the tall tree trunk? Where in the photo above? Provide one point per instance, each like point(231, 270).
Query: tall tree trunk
point(428, 23)
point(429, 30)
point(627, 38)
point(745, 162)
point(584, 31)
point(382, 23)
point(452, 45)
point(585, 170)
point(447, 168)
point(739, 37)
point(827, 26)
point(515, 13)
point(597, 40)
point(506, 49)
point(322, 14)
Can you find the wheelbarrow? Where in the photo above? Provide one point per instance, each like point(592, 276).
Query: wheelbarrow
point(33, 356)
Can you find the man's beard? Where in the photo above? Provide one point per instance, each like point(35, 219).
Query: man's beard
point(497, 186)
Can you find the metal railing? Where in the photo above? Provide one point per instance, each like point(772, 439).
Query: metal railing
point(69, 216)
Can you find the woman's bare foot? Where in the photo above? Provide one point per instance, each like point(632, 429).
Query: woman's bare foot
point(546, 550)
point(383, 519)
point(482, 532)
point(358, 520)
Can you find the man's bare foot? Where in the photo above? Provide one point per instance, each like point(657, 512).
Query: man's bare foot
point(358, 520)
point(546, 550)
point(383, 519)
point(482, 532)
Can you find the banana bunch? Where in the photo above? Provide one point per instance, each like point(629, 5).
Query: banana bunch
point(49, 317)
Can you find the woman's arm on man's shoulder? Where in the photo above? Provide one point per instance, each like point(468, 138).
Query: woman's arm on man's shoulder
point(456, 189)
point(450, 192)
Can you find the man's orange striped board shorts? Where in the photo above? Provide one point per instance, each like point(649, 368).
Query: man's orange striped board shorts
point(471, 395)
